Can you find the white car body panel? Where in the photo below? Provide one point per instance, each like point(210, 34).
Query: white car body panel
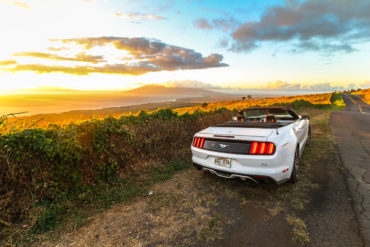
point(274, 166)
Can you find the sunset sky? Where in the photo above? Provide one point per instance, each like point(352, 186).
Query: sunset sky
point(122, 44)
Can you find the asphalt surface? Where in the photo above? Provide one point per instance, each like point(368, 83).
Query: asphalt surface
point(351, 131)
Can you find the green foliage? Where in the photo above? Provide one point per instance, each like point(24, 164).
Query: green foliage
point(32, 152)
point(62, 163)
point(337, 99)
point(298, 105)
point(48, 219)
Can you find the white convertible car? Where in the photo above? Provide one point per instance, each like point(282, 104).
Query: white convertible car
point(260, 144)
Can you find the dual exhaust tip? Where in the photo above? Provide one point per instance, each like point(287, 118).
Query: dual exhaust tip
point(255, 179)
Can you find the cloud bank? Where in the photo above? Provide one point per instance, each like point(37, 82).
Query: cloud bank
point(191, 84)
point(326, 26)
point(142, 55)
point(332, 25)
point(326, 86)
point(272, 86)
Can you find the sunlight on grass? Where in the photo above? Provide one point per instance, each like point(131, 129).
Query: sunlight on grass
point(364, 94)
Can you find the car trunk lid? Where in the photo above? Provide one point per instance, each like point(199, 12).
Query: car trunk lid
point(236, 132)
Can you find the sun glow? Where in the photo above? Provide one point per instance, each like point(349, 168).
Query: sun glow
point(30, 26)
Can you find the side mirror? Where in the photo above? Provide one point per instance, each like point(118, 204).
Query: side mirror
point(234, 118)
point(306, 117)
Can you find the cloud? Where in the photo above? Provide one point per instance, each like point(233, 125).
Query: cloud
point(155, 52)
point(191, 84)
point(324, 25)
point(277, 85)
point(57, 48)
point(20, 4)
point(80, 57)
point(224, 24)
point(86, 70)
point(323, 47)
point(7, 62)
point(139, 16)
point(365, 84)
point(286, 86)
point(202, 24)
point(144, 55)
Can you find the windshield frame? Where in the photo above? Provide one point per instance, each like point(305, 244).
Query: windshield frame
point(264, 111)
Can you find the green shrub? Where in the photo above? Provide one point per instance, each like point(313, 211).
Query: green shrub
point(59, 163)
point(337, 99)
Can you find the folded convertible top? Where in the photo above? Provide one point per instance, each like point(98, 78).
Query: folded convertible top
point(250, 124)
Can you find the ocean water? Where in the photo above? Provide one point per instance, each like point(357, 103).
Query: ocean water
point(56, 103)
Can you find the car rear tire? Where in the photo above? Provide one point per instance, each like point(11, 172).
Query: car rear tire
point(197, 166)
point(294, 177)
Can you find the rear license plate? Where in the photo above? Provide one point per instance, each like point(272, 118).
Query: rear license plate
point(224, 162)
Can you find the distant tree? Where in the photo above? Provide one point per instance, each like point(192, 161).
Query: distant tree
point(204, 105)
point(249, 96)
point(243, 98)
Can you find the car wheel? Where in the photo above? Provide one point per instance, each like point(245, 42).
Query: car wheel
point(295, 172)
point(308, 141)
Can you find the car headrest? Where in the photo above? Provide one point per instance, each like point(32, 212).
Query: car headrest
point(270, 119)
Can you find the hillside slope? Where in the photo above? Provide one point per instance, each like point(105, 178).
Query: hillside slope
point(162, 90)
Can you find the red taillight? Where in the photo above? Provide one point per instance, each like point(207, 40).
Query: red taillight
point(262, 148)
point(270, 148)
point(201, 142)
point(198, 142)
point(254, 147)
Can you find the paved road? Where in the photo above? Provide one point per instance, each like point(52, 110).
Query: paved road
point(351, 131)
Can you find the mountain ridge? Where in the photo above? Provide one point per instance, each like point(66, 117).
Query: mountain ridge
point(143, 90)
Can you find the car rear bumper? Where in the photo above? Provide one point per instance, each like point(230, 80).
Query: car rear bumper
point(277, 167)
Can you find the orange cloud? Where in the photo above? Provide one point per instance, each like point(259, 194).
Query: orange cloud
point(84, 70)
point(81, 57)
point(147, 55)
point(8, 62)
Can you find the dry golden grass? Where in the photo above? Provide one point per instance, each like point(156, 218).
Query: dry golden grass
point(240, 104)
point(177, 211)
point(364, 94)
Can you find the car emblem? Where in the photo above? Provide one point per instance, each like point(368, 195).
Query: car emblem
point(223, 145)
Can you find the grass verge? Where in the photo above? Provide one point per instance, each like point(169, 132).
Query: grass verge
point(300, 234)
